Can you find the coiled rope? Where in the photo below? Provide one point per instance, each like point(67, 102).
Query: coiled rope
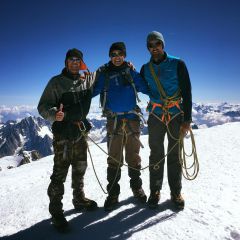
point(186, 168)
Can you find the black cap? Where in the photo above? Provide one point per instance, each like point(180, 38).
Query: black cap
point(74, 53)
point(120, 46)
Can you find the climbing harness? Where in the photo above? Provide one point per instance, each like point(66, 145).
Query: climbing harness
point(124, 74)
point(120, 162)
point(167, 103)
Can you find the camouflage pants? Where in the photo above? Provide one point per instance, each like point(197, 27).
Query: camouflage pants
point(157, 131)
point(67, 153)
point(131, 144)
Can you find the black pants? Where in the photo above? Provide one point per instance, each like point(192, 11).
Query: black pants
point(157, 131)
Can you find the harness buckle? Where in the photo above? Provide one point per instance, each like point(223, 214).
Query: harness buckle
point(82, 126)
point(156, 167)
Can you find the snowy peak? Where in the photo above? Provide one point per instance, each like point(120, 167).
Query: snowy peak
point(212, 200)
point(31, 133)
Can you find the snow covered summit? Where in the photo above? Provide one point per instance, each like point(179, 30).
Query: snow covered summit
point(212, 200)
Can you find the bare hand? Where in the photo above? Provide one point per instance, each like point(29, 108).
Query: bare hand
point(60, 114)
point(130, 64)
point(185, 127)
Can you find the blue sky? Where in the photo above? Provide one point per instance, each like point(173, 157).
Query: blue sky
point(35, 36)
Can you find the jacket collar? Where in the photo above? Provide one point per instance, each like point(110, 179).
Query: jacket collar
point(159, 61)
point(112, 67)
point(68, 74)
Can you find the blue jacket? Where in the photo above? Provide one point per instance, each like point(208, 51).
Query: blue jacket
point(174, 77)
point(120, 93)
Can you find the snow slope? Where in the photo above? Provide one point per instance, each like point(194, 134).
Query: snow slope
point(212, 200)
point(10, 161)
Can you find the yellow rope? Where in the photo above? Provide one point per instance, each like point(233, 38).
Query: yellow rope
point(85, 135)
point(182, 156)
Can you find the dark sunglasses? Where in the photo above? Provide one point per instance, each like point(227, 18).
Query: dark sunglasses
point(114, 54)
point(154, 44)
point(74, 59)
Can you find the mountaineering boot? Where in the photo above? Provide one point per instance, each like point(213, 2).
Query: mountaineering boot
point(81, 202)
point(178, 200)
point(60, 223)
point(111, 202)
point(153, 199)
point(140, 195)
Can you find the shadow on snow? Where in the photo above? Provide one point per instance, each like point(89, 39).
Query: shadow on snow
point(93, 225)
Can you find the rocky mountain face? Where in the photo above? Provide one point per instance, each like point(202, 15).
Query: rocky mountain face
point(31, 133)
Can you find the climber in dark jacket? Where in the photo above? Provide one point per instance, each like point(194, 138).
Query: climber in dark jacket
point(65, 102)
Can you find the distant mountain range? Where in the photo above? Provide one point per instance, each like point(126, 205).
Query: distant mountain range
point(26, 131)
point(208, 115)
point(16, 112)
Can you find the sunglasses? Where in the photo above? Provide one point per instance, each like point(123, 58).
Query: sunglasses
point(114, 54)
point(154, 44)
point(74, 59)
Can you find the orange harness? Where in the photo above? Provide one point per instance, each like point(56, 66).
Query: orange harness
point(168, 102)
point(166, 116)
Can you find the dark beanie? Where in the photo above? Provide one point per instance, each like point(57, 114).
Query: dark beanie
point(120, 46)
point(74, 53)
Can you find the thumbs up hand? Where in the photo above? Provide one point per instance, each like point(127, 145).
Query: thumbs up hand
point(60, 114)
